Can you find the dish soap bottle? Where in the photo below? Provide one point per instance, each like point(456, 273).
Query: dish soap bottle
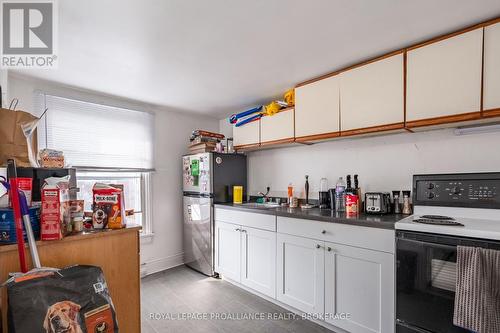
point(340, 195)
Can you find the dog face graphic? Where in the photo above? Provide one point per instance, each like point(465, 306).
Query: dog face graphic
point(100, 216)
point(62, 317)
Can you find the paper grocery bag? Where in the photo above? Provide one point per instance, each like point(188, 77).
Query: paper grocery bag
point(12, 140)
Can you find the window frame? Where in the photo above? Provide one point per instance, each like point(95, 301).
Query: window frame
point(40, 105)
point(145, 191)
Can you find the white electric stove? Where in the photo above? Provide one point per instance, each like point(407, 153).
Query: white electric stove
point(482, 224)
point(449, 211)
point(466, 205)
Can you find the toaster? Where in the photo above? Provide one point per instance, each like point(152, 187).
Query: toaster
point(377, 203)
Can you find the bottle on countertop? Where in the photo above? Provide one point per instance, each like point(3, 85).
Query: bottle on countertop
point(306, 188)
point(340, 195)
point(358, 192)
point(406, 203)
point(306, 205)
point(351, 199)
point(396, 206)
point(323, 193)
point(290, 193)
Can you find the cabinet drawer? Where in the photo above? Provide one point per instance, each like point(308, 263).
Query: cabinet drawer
point(254, 220)
point(365, 237)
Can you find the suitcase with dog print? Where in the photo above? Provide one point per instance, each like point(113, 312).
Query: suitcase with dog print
point(71, 300)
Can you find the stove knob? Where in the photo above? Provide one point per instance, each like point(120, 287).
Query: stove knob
point(430, 195)
point(455, 190)
point(430, 186)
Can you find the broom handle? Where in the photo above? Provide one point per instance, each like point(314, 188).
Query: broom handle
point(11, 171)
point(29, 230)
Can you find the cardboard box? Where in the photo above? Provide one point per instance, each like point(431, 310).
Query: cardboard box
point(51, 228)
point(55, 215)
point(108, 207)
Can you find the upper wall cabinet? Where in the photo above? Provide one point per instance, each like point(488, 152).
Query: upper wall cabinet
point(444, 80)
point(372, 96)
point(317, 110)
point(491, 93)
point(278, 128)
point(247, 136)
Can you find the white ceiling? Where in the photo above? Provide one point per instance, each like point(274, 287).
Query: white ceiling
point(221, 56)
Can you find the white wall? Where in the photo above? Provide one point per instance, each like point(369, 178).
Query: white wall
point(172, 131)
point(383, 163)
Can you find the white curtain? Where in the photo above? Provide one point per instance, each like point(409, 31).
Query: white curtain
point(94, 135)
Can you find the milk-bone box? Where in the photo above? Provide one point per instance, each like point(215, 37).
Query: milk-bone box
point(108, 208)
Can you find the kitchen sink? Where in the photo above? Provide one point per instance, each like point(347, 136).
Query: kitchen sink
point(266, 205)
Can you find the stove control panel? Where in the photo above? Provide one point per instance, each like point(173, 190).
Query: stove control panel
point(479, 190)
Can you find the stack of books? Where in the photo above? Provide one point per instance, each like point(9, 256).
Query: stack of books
point(203, 141)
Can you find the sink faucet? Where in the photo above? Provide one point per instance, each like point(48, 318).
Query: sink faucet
point(265, 195)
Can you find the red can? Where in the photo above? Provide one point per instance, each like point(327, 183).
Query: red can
point(351, 204)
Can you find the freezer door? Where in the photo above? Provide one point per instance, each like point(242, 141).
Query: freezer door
point(197, 173)
point(199, 234)
point(228, 170)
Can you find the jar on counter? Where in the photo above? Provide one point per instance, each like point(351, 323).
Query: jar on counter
point(406, 203)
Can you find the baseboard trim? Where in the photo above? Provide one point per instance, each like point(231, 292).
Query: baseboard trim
point(161, 264)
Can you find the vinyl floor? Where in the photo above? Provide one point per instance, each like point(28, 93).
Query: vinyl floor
point(182, 300)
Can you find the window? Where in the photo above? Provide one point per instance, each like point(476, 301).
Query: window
point(105, 144)
point(136, 187)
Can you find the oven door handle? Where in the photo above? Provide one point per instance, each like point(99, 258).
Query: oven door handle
point(421, 242)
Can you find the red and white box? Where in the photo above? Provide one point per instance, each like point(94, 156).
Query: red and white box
point(55, 215)
point(50, 226)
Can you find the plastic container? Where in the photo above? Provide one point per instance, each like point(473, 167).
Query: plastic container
point(237, 194)
point(340, 195)
point(8, 228)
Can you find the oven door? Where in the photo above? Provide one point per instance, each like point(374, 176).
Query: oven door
point(426, 277)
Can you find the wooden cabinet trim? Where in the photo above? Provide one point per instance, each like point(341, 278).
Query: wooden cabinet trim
point(444, 120)
point(373, 129)
point(482, 73)
point(405, 78)
point(317, 137)
point(402, 50)
point(249, 146)
point(491, 113)
point(277, 142)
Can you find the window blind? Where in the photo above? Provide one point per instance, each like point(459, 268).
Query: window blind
point(94, 135)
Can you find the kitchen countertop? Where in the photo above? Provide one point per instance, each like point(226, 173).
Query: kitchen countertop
point(325, 215)
point(75, 237)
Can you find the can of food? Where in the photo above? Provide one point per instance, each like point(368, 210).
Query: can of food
point(351, 204)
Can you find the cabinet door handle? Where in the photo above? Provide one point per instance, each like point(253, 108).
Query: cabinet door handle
point(329, 249)
point(323, 232)
point(243, 230)
point(318, 246)
point(237, 229)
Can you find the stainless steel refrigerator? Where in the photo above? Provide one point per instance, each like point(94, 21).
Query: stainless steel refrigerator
point(208, 178)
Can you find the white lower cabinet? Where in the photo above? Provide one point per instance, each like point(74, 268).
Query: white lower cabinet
point(228, 257)
point(360, 284)
point(301, 273)
point(246, 255)
point(351, 285)
point(258, 262)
